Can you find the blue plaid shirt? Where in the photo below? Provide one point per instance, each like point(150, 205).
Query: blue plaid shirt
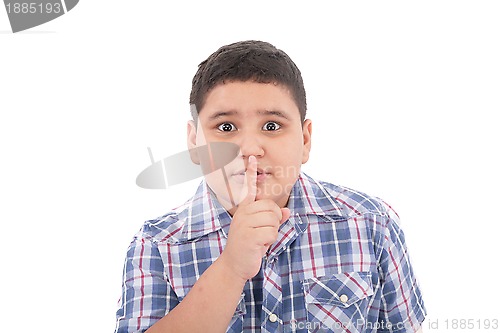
point(340, 264)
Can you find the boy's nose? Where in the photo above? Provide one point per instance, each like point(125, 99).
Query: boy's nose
point(250, 145)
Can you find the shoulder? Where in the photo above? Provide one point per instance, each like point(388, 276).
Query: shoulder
point(348, 201)
point(166, 228)
point(354, 201)
point(357, 209)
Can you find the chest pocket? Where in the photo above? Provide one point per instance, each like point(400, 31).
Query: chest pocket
point(338, 303)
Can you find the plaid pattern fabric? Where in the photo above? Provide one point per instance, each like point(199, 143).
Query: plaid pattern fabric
point(340, 264)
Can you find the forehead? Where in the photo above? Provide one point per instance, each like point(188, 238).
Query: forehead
point(249, 99)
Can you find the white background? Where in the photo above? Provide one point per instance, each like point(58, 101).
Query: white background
point(402, 96)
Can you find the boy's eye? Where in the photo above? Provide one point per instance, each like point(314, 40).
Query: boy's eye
point(226, 127)
point(271, 126)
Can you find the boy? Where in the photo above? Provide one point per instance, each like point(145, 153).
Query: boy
point(262, 247)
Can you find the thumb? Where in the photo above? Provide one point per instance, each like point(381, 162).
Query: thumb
point(285, 215)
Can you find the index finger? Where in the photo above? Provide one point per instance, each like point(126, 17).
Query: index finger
point(251, 180)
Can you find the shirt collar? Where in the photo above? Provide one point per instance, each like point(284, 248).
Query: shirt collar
point(204, 214)
point(310, 197)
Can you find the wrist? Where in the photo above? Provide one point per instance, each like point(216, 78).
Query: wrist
point(228, 270)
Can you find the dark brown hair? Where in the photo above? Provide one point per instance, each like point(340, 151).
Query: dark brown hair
point(244, 61)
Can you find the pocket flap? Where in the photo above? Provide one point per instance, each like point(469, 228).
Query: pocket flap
point(241, 309)
point(342, 289)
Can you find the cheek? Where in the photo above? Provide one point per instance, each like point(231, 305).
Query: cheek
point(287, 171)
point(287, 153)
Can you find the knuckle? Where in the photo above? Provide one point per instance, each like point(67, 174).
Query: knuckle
point(271, 219)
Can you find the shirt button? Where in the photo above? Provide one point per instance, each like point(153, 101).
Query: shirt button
point(273, 318)
point(344, 298)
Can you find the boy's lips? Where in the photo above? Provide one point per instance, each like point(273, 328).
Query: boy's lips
point(239, 176)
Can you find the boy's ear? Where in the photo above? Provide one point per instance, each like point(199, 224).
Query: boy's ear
point(306, 139)
point(191, 142)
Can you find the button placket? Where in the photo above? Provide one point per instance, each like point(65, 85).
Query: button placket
point(272, 298)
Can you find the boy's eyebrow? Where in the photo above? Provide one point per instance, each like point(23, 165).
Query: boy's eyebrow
point(221, 114)
point(274, 113)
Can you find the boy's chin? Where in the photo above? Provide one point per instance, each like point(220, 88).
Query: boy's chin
point(231, 203)
point(281, 199)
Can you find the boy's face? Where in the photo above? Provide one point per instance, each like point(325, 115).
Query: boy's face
point(264, 121)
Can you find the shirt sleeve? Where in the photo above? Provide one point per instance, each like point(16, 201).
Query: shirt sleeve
point(146, 293)
point(402, 307)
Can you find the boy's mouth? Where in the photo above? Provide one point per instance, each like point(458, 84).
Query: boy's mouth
point(260, 171)
point(239, 176)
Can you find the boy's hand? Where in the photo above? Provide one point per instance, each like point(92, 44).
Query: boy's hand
point(253, 229)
